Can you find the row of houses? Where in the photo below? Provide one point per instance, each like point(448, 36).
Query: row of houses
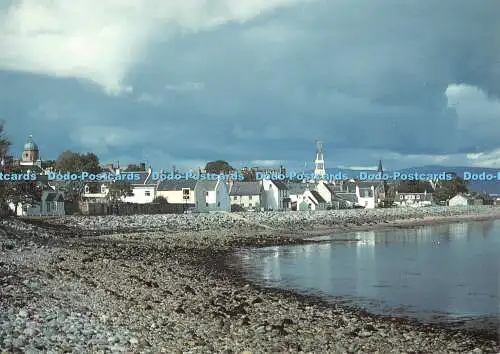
point(221, 195)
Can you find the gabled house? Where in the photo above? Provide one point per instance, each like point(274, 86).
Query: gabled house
point(295, 193)
point(248, 195)
point(51, 203)
point(143, 187)
point(178, 191)
point(463, 200)
point(212, 196)
point(95, 190)
point(365, 192)
point(313, 199)
point(327, 191)
point(346, 200)
point(275, 195)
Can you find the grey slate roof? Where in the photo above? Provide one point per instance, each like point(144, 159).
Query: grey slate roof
point(206, 185)
point(245, 188)
point(367, 184)
point(296, 188)
point(352, 197)
point(173, 185)
point(318, 196)
point(280, 185)
point(54, 197)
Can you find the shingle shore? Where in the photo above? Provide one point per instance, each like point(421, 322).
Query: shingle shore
point(72, 288)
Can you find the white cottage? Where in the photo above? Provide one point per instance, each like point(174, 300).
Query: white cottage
point(212, 196)
point(143, 187)
point(247, 195)
point(460, 200)
point(50, 204)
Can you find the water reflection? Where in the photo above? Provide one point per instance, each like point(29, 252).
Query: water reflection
point(448, 268)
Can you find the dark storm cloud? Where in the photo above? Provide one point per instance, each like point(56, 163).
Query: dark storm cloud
point(360, 75)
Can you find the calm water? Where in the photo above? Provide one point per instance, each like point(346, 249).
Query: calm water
point(431, 273)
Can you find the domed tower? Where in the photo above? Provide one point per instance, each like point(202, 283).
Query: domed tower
point(30, 153)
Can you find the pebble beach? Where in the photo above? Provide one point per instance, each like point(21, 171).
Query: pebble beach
point(164, 284)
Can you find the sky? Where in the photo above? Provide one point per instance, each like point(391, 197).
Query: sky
point(254, 82)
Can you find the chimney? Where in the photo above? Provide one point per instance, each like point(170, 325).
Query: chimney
point(143, 166)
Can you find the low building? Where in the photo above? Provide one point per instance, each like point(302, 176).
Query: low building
point(177, 191)
point(212, 196)
point(413, 199)
point(275, 195)
point(51, 203)
point(463, 200)
point(366, 194)
point(143, 187)
point(313, 199)
point(246, 194)
point(296, 191)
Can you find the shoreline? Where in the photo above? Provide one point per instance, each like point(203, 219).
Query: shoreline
point(177, 291)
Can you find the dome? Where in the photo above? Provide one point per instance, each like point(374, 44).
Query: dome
point(30, 145)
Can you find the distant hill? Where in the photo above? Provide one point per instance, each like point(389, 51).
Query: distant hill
point(491, 187)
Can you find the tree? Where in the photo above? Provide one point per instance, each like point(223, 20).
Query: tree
point(48, 164)
point(72, 190)
point(249, 175)
point(218, 167)
point(4, 142)
point(414, 187)
point(4, 150)
point(118, 190)
point(134, 168)
point(76, 162)
point(446, 190)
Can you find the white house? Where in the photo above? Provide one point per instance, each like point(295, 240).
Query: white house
point(212, 196)
point(366, 195)
point(295, 193)
point(275, 195)
point(177, 191)
point(313, 199)
point(50, 204)
point(413, 199)
point(246, 194)
point(95, 190)
point(460, 200)
point(143, 188)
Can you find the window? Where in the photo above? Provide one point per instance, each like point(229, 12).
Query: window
point(185, 191)
point(249, 197)
point(235, 198)
point(218, 204)
point(147, 193)
point(418, 197)
point(86, 189)
point(206, 204)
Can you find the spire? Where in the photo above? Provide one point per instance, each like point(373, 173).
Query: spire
point(319, 162)
point(380, 169)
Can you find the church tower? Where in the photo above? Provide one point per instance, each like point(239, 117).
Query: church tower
point(319, 162)
point(30, 153)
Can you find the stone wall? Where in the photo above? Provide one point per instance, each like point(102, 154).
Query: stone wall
point(88, 208)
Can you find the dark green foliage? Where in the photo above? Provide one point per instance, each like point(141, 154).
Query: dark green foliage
point(446, 190)
point(76, 162)
point(119, 189)
point(218, 166)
